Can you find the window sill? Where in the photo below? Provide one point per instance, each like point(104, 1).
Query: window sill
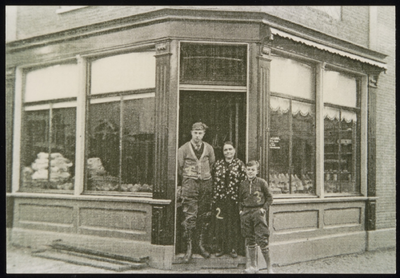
point(315, 199)
point(97, 197)
point(46, 191)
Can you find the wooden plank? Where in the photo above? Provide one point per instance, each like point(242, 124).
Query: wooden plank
point(80, 260)
point(63, 246)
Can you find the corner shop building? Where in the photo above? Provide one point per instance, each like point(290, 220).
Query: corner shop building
point(100, 111)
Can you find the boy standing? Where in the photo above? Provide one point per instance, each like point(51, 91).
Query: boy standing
point(195, 160)
point(254, 202)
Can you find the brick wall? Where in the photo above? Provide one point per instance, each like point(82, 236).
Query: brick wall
point(352, 27)
point(386, 125)
point(38, 20)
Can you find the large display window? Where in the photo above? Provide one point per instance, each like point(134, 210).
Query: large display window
point(292, 133)
point(292, 127)
point(49, 129)
point(342, 133)
point(120, 124)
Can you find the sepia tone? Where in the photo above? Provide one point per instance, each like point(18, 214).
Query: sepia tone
point(100, 98)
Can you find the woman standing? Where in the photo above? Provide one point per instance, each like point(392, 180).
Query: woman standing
point(227, 175)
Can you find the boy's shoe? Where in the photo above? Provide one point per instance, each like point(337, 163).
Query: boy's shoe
point(251, 270)
point(233, 253)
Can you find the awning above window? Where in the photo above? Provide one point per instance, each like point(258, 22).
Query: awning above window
point(282, 105)
point(333, 114)
point(327, 48)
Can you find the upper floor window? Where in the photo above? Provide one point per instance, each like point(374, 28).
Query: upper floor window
point(333, 11)
point(212, 64)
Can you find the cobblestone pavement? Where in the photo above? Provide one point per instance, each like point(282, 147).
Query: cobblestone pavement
point(19, 260)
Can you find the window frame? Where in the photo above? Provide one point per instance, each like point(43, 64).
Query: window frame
point(99, 96)
point(298, 99)
point(83, 62)
point(358, 111)
point(362, 81)
point(19, 104)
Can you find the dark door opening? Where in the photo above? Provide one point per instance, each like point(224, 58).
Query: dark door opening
point(225, 115)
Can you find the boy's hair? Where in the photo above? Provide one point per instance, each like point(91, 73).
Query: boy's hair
point(252, 163)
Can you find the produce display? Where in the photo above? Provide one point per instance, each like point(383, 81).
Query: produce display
point(100, 180)
point(38, 174)
point(279, 183)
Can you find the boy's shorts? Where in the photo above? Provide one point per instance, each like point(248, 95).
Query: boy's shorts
point(254, 226)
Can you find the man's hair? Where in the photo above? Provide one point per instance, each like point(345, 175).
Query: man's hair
point(252, 163)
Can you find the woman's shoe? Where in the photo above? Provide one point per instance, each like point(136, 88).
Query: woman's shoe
point(233, 253)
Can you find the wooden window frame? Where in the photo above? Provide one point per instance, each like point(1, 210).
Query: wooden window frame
point(319, 124)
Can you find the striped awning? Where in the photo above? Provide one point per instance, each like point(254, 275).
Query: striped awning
point(320, 46)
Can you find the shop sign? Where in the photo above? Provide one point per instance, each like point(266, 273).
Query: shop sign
point(274, 143)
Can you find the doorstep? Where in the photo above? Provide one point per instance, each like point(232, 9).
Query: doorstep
point(199, 263)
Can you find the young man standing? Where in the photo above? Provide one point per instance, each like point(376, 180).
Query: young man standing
point(195, 161)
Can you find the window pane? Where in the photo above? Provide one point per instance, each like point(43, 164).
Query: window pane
point(292, 147)
point(340, 89)
point(36, 146)
point(341, 148)
point(59, 81)
point(213, 64)
point(123, 73)
point(138, 144)
point(303, 148)
point(120, 153)
point(279, 152)
point(291, 77)
point(103, 151)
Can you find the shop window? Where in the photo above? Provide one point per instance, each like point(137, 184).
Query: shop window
point(292, 128)
point(342, 136)
point(209, 64)
point(120, 143)
point(48, 129)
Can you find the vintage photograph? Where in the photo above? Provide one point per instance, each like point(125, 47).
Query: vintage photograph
point(200, 139)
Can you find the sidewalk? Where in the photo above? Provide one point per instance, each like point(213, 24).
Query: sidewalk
point(19, 260)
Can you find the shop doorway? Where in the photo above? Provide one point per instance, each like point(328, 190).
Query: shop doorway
point(225, 115)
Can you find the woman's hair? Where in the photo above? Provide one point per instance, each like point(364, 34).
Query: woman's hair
point(252, 163)
point(228, 143)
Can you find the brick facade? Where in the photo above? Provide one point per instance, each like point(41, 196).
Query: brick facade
point(353, 27)
point(386, 125)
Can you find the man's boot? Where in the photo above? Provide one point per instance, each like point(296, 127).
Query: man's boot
point(267, 259)
point(203, 251)
point(252, 253)
point(188, 254)
point(203, 234)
